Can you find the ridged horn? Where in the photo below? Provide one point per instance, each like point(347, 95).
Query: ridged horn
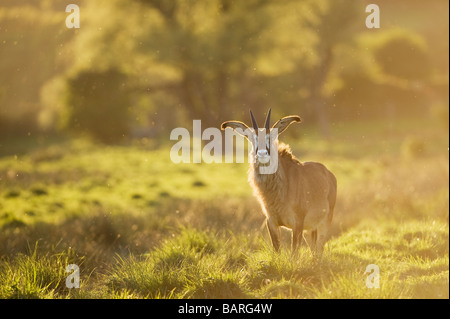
point(267, 126)
point(255, 125)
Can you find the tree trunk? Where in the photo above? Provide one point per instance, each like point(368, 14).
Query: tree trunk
point(317, 100)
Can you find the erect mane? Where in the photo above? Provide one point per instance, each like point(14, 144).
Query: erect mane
point(284, 151)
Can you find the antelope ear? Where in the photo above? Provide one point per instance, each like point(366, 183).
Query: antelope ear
point(239, 127)
point(234, 125)
point(283, 123)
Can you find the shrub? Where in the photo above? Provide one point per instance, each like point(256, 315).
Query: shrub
point(404, 55)
point(97, 103)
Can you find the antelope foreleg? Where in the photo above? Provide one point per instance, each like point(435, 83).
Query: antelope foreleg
point(274, 232)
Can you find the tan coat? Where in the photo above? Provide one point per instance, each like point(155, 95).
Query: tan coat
point(298, 195)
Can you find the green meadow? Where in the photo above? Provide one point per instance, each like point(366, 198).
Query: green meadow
point(140, 226)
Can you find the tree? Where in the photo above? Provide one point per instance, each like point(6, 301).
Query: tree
point(213, 45)
point(334, 23)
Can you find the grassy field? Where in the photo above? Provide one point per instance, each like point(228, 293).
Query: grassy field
point(139, 226)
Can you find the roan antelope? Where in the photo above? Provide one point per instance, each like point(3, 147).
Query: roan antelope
point(299, 195)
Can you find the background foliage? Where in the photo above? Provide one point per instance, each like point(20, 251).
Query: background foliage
point(85, 171)
point(212, 60)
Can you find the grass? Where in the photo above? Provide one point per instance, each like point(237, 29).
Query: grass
point(140, 226)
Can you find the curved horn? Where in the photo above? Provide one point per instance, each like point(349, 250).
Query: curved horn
point(268, 120)
point(255, 125)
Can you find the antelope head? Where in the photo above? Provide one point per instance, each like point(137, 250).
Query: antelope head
point(264, 140)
